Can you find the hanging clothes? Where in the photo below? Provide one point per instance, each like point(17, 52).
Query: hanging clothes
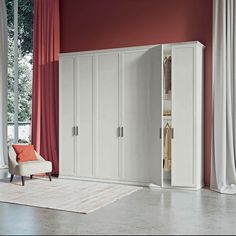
point(167, 74)
point(167, 147)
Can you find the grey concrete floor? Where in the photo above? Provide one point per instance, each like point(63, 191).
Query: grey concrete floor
point(144, 212)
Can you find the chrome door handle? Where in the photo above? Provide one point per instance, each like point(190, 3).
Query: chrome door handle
point(118, 132)
point(77, 131)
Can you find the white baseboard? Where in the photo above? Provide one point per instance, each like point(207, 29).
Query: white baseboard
point(105, 181)
point(151, 186)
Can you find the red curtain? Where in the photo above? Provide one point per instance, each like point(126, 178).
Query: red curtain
point(45, 97)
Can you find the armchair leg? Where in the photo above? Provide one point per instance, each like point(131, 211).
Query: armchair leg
point(49, 176)
point(23, 180)
point(12, 176)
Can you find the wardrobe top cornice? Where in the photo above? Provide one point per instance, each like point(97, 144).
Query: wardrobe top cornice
point(132, 48)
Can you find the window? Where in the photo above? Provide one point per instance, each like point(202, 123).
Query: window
point(20, 41)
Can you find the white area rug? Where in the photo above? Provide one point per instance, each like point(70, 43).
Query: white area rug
point(67, 195)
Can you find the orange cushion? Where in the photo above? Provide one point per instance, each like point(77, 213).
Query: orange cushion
point(25, 153)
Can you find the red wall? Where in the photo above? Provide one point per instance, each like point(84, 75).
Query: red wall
point(100, 24)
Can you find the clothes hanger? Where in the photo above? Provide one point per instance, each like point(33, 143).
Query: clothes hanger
point(167, 125)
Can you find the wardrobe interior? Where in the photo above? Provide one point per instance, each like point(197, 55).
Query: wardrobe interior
point(167, 115)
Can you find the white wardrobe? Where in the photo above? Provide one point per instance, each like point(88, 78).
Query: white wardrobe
point(113, 114)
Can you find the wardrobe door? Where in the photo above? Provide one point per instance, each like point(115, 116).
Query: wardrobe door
point(84, 110)
point(183, 75)
point(67, 117)
point(156, 104)
point(107, 113)
point(135, 116)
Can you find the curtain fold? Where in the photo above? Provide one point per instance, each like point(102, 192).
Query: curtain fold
point(3, 84)
point(45, 95)
point(223, 174)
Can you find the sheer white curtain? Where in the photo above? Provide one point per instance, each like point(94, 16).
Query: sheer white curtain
point(3, 84)
point(223, 177)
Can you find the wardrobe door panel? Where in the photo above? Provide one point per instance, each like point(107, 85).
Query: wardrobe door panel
point(85, 116)
point(107, 113)
point(156, 142)
point(135, 141)
point(67, 118)
point(183, 172)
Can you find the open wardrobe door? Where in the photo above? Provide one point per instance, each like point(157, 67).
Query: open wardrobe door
point(183, 116)
point(156, 85)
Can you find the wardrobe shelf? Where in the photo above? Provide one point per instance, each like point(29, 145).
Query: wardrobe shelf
point(167, 117)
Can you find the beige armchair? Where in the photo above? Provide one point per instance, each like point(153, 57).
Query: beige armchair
point(29, 168)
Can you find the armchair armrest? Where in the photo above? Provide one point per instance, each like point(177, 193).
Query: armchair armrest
point(39, 157)
point(12, 163)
